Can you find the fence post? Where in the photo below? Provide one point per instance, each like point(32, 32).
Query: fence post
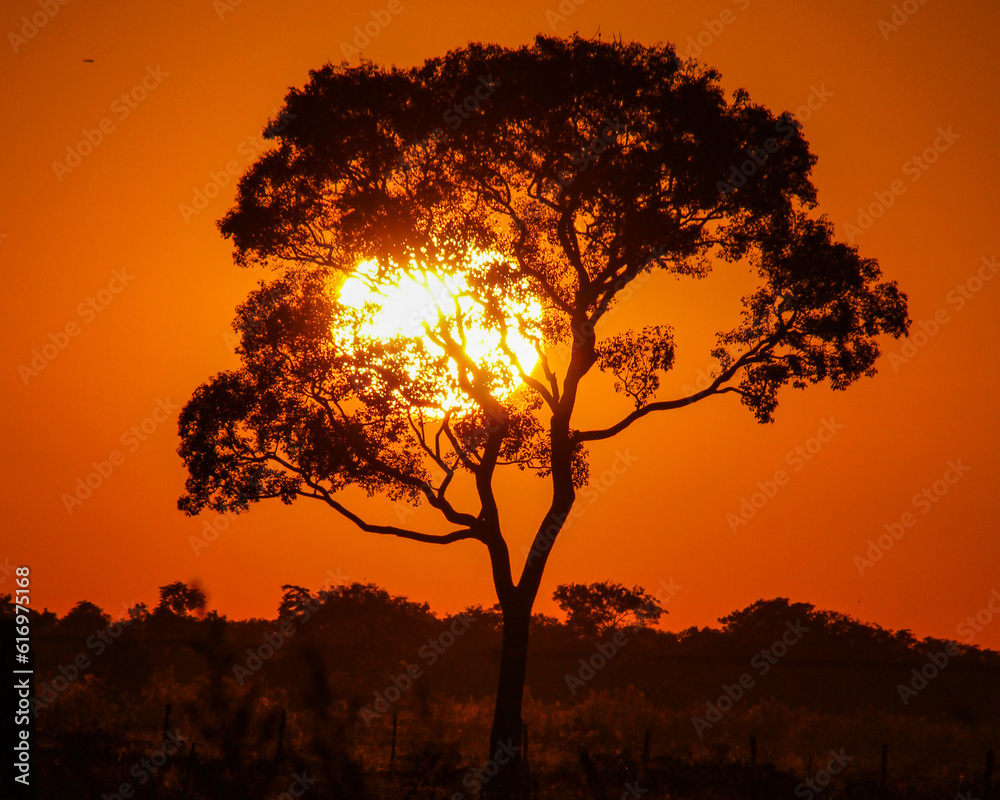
point(392, 753)
point(593, 778)
point(154, 783)
point(883, 778)
point(280, 749)
point(645, 754)
point(988, 776)
point(753, 751)
point(190, 767)
point(524, 759)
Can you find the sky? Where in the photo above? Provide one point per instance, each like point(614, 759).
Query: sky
point(120, 293)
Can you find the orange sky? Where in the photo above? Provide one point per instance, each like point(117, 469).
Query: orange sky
point(128, 298)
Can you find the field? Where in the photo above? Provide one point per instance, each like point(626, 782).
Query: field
point(180, 707)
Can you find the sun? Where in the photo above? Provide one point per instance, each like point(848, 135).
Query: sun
point(406, 302)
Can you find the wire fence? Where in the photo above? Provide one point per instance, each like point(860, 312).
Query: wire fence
point(393, 749)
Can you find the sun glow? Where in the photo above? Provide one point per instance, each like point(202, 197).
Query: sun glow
point(419, 303)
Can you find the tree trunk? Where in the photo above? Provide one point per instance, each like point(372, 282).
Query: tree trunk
point(505, 739)
point(506, 777)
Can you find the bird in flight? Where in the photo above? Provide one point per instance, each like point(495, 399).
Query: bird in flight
point(88, 61)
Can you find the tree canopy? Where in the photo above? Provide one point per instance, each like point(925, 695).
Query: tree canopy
point(597, 608)
point(181, 599)
point(585, 165)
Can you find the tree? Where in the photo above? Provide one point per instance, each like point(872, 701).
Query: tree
point(84, 618)
point(596, 609)
point(138, 613)
point(296, 602)
point(180, 599)
point(545, 183)
point(765, 617)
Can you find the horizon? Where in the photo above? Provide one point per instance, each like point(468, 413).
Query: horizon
point(877, 502)
point(662, 593)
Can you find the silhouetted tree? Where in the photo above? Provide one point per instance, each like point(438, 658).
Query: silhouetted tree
point(83, 619)
point(484, 618)
point(579, 167)
point(766, 616)
point(181, 599)
point(138, 613)
point(295, 602)
point(597, 608)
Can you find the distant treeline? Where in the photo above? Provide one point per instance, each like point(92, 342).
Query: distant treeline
point(362, 645)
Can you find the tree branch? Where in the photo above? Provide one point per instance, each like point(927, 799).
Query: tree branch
point(639, 413)
point(390, 530)
point(749, 357)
